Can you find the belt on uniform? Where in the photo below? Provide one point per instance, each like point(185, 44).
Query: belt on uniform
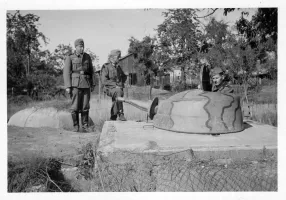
point(81, 72)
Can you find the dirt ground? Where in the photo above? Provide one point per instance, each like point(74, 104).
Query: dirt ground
point(52, 142)
point(47, 142)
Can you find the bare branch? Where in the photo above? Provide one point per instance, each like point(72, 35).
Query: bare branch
point(52, 180)
point(213, 11)
point(200, 22)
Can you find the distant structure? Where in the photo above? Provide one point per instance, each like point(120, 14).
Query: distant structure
point(136, 72)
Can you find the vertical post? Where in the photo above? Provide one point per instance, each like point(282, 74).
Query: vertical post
point(150, 90)
point(99, 85)
point(126, 86)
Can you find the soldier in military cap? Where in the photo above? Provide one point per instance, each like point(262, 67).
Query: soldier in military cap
point(78, 77)
point(113, 79)
point(220, 83)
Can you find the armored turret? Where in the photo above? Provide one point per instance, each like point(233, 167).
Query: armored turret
point(194, 111)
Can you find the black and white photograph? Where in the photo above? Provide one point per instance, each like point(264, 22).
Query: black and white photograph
point(146, 99)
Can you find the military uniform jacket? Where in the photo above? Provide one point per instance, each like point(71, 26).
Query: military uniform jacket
point(78, 71)
point(112, 76)
point(224, 87)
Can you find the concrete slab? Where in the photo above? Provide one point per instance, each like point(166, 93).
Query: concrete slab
point(43, 117)
point(143, 138)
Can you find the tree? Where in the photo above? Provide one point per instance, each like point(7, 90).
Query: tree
point(143, 51)
point(262, 26)
point(59, 55)
point(178, 38)
point(143, 54)
point(260, 32)
point(230, 51)
point(214, 41)
point(23, 38)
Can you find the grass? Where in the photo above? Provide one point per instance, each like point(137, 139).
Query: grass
point(261, 109)
point(36, 174)
point(43, 174)
point(262, 102)
point(142, 173)
point(264, 113)
point(38, 171)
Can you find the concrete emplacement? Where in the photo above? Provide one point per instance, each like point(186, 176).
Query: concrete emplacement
point(211, 124)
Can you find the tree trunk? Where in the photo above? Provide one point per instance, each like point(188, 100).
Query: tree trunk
point(99, 86)
point(29, 57)
point(245, 92)
point(245, 87)
point(183, 77)
point(151, 86)
point(28, 67)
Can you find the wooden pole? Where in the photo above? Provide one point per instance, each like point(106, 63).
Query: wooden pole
point(99, 85)
point(126, 86)
point(151, 86)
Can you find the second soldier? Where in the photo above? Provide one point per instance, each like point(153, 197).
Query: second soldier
point(113, 79)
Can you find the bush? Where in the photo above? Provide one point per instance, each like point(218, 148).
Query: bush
point(177, 86)
point(26, 175)
point(167, 87)
point(264, 113)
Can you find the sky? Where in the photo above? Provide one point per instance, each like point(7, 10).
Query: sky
point(105, 29)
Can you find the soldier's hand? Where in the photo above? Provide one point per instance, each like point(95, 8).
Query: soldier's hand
point(68, 90)
point(92, 88)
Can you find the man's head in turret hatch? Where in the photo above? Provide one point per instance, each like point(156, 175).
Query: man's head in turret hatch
point(217, 76)
point(220, 82)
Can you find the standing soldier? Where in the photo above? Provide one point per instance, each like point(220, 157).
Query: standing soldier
point(79, 83)
point(113, 79)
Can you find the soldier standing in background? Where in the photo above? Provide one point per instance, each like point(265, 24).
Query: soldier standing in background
point(79, 83)
point(113, 79)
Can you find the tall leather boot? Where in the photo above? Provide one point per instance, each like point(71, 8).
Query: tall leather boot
point(113, 110)
point(113, 117)
point(121, 116)
point(84, 121)
point(75, 119)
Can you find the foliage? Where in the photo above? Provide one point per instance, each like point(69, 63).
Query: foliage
point(178, 40)
point(27, 63)
point(23, 39)
point(24, 175)
point(143, 54)
point(142, 50)
point(216, 42)
point(243, 52)
point(57, 58)
point(262, 27)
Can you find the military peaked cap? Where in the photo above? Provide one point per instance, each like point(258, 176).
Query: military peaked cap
point(78, 42)
point(217, 70)
point(115, 52)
